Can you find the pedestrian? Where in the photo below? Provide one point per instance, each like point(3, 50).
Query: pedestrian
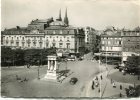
point(96, 78)
point(99, 90)
point(92, 86)
point(138, 77)
point(120, 95)
point(101, 77)
point(121, 87)
point(92, 82)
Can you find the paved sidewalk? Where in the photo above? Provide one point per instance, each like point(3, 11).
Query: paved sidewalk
point(105, 88)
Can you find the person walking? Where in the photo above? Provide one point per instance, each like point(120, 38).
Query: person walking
point(92, 85)
point(120, 87)
point(96, 78)
point(99, 90)
point(101, 77)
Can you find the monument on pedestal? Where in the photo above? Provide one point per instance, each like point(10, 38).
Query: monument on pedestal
point(51, 69)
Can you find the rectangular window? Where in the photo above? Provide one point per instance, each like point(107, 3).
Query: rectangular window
point(11, 42)
point(68, 45)
point(72, 36)
point(61, 32)
point(47, 44)
point(119, 42)
point(60, 45)
point(102, 42)
point(34, 44)
point(103, 48)
point(40, 44)
point(54, 32)
point(68, 32)
point(23, 44)
point(53, 44)
point(28, 44)
point(109, 42)
point(17, 43)
point(68, 39)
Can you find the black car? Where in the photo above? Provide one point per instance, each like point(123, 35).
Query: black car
point(80, 59)
point(73, 80)
point(116, 67)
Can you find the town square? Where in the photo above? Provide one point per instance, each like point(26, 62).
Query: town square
point(73, 53)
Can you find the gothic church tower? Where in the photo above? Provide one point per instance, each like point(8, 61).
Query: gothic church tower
point(66, 21)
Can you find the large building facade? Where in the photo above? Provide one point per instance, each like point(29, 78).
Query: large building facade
point(90, 38)
point(46, 34)
point(111, 43)
point(131, 43)
point(119, 44)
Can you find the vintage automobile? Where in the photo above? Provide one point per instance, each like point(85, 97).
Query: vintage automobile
point(73, 80)
point(71, 59)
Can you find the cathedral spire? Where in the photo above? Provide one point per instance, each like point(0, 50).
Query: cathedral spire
point(60, 15)
point(66, 21)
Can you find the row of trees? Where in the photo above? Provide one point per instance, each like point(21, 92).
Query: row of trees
point(96, 46)
point(18, 57)
point(133, 64)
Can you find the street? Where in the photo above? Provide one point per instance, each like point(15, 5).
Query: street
point(83, 70)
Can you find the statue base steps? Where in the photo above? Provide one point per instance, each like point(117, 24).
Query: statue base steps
point(51, 75)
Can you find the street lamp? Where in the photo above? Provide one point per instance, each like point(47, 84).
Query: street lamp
point(66, 63)
point(38, 70)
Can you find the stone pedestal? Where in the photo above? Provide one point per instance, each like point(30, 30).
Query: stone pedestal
point(51, 69)
point(51, 75)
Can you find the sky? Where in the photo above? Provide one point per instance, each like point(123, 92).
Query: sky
point(81, 13)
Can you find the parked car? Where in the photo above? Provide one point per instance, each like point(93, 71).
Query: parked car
point(81, 58)
point(116, 67)
point(73, 80)
point(71, 59)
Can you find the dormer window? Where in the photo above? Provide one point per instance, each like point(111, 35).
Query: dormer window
point(61, 32)
point(54, 32)
point(67, 32)
point(67, 38)
point(53, 39)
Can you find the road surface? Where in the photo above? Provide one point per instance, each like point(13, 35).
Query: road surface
point(83, 70)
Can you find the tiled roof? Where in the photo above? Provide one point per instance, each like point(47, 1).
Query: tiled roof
point(41, 20)
point(21, 30)
point(59, 32)
point(58, 27)
point(57, 23)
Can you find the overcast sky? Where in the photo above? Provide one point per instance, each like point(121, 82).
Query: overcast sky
point(95, 13)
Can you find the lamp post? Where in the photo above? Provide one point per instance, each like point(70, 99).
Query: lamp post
point(38, 70)
point(66, 64)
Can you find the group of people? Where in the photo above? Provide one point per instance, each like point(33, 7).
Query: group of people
point(96, 82)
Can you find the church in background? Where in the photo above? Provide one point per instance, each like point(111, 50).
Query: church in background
point(46, 33)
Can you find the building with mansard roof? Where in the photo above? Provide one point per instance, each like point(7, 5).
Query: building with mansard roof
point(90, 38)
point(46, 33)
point(119, 44)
